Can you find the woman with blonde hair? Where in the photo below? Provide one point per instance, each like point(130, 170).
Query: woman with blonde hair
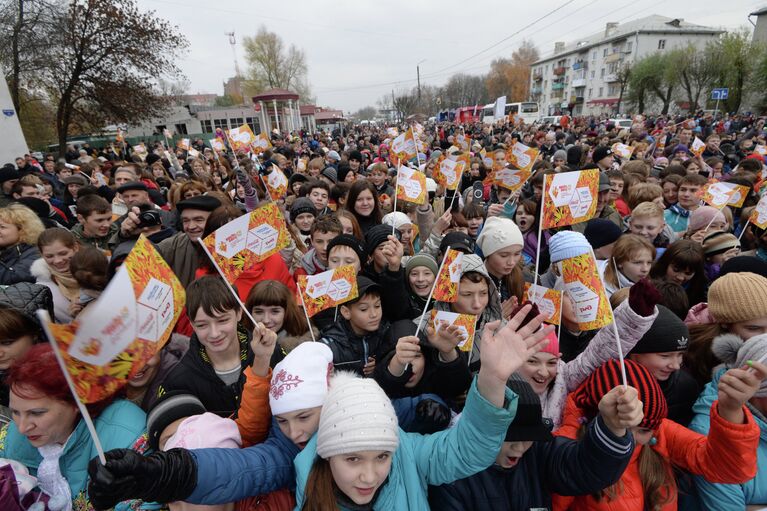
point(631, 261)
point(19, 229)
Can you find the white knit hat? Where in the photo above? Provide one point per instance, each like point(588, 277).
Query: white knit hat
point(357, 416)
point(300, 380)
point(498, 233)
point(567, 244)
point(396, 219)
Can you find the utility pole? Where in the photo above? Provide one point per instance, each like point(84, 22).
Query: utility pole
point(392, 105)
point(418, 74)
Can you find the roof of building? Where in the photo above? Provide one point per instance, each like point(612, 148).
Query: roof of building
point(278, 94)
point(759, 12)
point(649, 24)
point(307, 109)
point(328, 115)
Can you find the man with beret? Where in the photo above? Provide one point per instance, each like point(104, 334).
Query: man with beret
point(8, 177)
point(180, 251)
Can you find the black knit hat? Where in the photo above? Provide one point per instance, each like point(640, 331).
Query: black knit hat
point(377, 235)
point(168, 409)
point(528, 423)
point(668, 333)
point(349, 241)
point(608, 376)
point(601, 152)
point(300, 206)
point(742, 263)
point(601, 232)
point(151, 158)
point(355, 155)
point(457, 241)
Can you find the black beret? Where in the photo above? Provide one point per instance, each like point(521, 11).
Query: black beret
point(201, 202)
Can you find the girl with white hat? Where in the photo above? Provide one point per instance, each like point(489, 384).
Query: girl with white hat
point(501, 243)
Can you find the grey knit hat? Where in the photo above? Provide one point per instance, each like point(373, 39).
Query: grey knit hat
point(733, 352)
point(421, 260)
point(357, 416)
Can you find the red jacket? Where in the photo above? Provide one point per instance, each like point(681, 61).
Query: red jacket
point(727, 455)
point(271, 268)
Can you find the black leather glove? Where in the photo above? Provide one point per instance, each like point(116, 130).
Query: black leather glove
point(160, 477)
point(430, 416)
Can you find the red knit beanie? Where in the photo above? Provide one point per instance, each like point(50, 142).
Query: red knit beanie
point(608, 376)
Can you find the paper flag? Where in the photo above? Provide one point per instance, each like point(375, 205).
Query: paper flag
point(697, 147)
point(446, 284)
point(585, 289)
point(511, 179)
point(411, 185)
point(466, 323)
point(217, 144)
point(117, 334)
point(248, 239)
point(720, 194)
point(403, 147)
point(523, 157)
point(261, 143)
point(277, 183)
point(241, 138)
point(622, 150)
point(184, 144)
point(328, 289)
point(759, 215)
point(549, 302)
point(569, 197)
point(448, 173)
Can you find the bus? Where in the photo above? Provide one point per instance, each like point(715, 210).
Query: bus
point(526, 111)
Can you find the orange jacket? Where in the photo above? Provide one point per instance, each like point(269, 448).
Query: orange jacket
point(254, 415)
point(727, 455)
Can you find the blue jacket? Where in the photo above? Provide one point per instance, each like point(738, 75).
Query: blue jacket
point(121, 425)
point(471, 446)
point(677, 218)
point(229, 475)
point(729, 497)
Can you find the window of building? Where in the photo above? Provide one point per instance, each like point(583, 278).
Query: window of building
point(593, 73)
point(629, 46)
point(604, 52)
point(590, 92)
point(601, 89)
point(602, 73)
point(220, 123)
point(612, 67)
point(661, 44)
point(253, 123)
point(545, 83)
point(180, 129)
point(207, 126)
point(236, 122)
point(612, 90)
point(594, 55)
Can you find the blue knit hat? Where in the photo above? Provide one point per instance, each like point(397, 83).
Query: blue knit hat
point(567, 244)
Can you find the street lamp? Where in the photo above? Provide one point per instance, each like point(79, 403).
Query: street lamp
point(418, 73)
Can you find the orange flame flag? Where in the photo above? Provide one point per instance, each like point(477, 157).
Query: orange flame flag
point(585, 288)
point(411, 185)
point(569, 198)
point(448, 173)
point(247, 239)
point(116, 335)
point(403, 147)
point(276, 183)
point(327, 289)
point(720, 194)
point(241, 138)
point(759, 215)
point(466, 323)
point(261, 143)
point(446, 285)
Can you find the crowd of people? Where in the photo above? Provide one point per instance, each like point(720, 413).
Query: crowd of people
point(369, 405)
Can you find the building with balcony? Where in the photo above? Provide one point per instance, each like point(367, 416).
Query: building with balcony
point(593, 64)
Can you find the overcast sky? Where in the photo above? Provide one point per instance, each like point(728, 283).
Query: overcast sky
point(359, 50)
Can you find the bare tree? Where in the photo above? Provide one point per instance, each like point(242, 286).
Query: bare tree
point(623, 75)
point(272, 65)
point(26, 21)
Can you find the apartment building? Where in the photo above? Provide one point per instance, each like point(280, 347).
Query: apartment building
point(584, 77)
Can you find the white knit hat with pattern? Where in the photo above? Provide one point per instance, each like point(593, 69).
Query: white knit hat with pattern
point(300, 380)
point(357, 416)
point(498, 233)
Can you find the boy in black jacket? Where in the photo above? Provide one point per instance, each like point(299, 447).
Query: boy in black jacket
point(361, 336)
point(532, 464)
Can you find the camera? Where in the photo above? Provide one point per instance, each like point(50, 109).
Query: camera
point(149, 218)
point(478, 191)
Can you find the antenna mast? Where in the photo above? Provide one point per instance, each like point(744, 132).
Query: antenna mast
point(233, 44)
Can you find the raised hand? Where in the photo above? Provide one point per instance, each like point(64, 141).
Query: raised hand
point(736, 387)
point(407, 350)
point(394, 251)
point(504, 350)
point(446, 340)
point(262, 344)
point(442, 223)
point(621, 409)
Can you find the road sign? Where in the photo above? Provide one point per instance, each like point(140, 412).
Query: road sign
point(718, 94)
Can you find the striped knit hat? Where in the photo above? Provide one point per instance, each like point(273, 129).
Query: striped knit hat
point(608, 376)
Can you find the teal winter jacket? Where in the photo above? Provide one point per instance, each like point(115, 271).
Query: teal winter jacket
point(469, 447)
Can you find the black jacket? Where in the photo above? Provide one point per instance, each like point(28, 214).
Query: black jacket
point(195, 375)
point(15, 264)
point(681, 391)
point(351, 351)
point(448, 380)
point(562, 466)
point(394, 293)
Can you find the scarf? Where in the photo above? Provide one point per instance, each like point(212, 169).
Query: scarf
point(67, 284)
point(51, 481)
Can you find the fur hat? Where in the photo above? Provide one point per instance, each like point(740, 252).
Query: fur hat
point(733, 352)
